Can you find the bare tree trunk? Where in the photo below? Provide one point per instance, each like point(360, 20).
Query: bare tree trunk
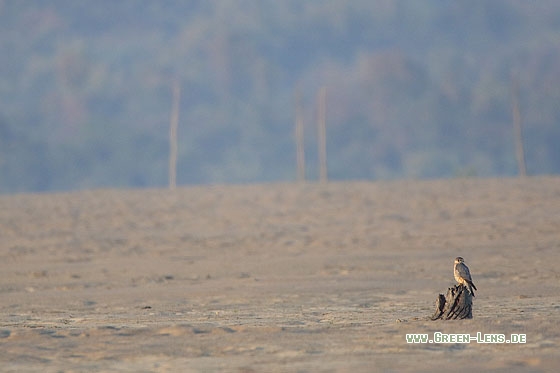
point(173, 124)
point(457, 304)
point(299, 135)
point(517, 130)
point(322, 133)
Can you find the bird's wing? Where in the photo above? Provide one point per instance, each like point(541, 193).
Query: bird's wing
point(464, 271)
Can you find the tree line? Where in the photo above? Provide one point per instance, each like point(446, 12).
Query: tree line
point(415, 90)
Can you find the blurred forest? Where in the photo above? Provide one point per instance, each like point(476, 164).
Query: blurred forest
point(416, 89)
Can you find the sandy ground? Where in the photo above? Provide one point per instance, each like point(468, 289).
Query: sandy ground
point(281, 277)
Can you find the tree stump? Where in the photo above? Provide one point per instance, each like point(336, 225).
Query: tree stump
point(457, 304)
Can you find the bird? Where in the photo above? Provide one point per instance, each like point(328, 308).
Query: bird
point(463, 275)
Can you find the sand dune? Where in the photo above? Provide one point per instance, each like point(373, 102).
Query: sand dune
point(279, 277)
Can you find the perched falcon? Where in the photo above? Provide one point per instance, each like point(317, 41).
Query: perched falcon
point(463, 275)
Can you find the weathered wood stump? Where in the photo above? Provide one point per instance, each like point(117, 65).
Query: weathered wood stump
point(457, 304)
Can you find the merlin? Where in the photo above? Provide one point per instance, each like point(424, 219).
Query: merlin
point(463, 275)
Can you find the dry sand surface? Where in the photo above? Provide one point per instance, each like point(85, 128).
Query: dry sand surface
point(280, 277)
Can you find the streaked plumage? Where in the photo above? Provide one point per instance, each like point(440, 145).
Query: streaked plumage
point(463, 275)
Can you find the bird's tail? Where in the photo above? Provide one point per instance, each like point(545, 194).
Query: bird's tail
point(471, 286)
